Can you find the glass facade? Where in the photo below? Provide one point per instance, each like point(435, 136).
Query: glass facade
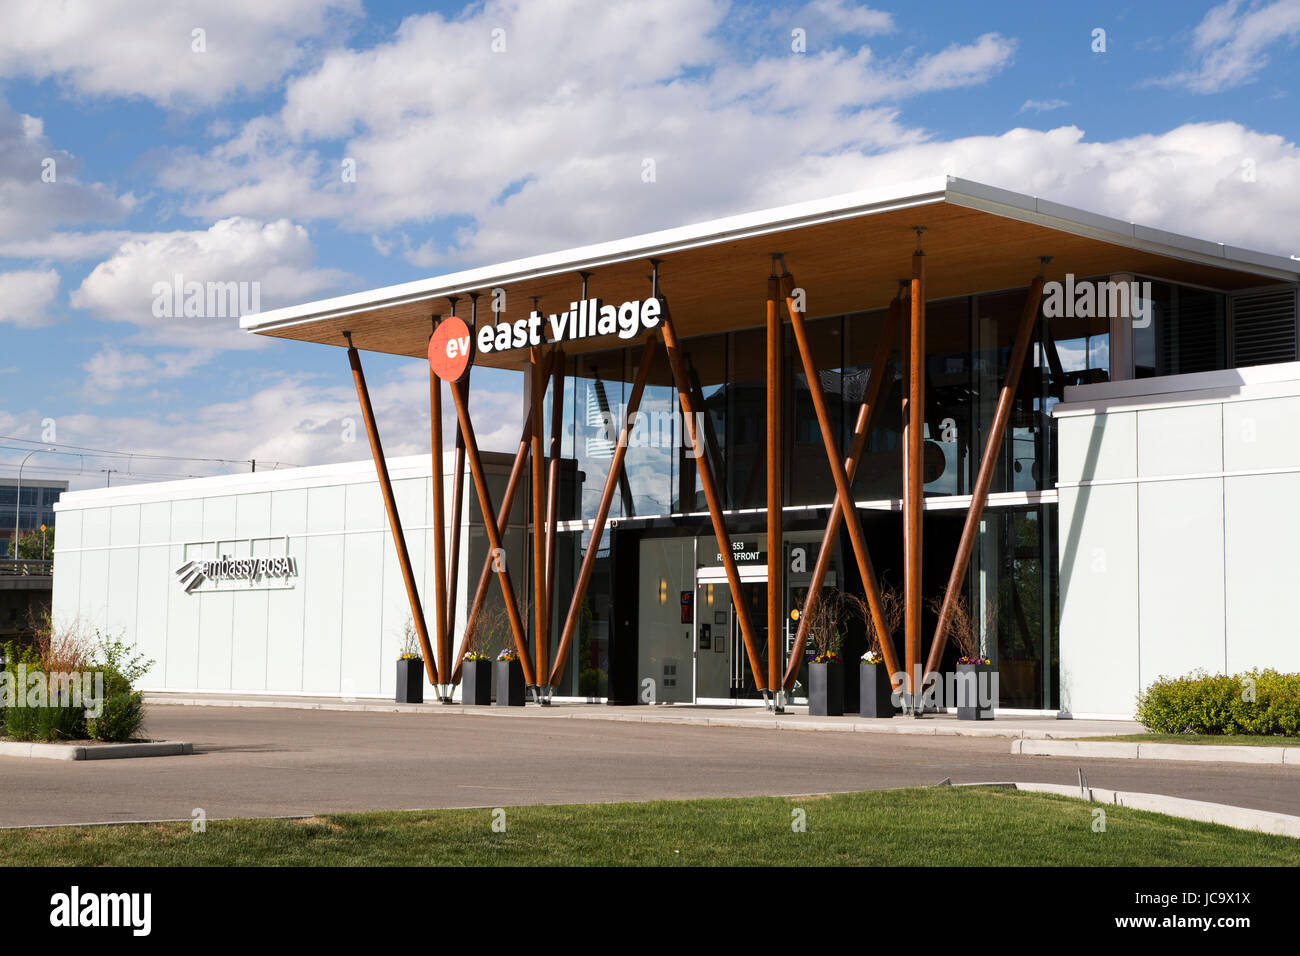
point(647, 613)
point(37, 507)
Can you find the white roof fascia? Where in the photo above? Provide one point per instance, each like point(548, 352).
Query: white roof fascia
point(664, 242)
point(928, 191)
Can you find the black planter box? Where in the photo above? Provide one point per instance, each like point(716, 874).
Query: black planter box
point(876, 697)
point(975, 694)
point(476, 683)
point(826, 689)
point(510, 684)
point(410, 682)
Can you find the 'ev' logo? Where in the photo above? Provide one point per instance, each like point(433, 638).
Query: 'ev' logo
point(451, 349)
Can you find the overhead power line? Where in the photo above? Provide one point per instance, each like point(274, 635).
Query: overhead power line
point(117, 453)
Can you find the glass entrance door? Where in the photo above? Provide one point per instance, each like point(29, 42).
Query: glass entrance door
point(722, 670)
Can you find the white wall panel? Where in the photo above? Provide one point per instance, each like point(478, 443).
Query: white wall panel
point(1104, 446)
point(249, 640)
point(361, 638)
point(1099, 599)
point(216, 637)
point(154, 587)
point(323, 596)
point(1263, 571)
point(1183, 440)
point(1180, 536)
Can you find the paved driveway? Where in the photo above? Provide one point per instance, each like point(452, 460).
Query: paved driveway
point(265, 761)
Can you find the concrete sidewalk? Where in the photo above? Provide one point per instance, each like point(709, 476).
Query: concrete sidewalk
point(796, 718)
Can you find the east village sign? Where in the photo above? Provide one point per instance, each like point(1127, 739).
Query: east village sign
point(452, 346)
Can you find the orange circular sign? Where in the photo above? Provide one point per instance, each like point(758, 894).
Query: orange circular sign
point(451, 349)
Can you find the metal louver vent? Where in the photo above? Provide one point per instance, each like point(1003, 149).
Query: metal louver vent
point(1192, 337)
point(1264, 326)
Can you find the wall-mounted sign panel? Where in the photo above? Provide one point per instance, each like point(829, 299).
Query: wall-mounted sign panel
point(584, 320)
point(227, 571)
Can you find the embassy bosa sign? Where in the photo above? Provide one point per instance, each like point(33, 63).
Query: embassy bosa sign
point(452, 345)
point(229, 573)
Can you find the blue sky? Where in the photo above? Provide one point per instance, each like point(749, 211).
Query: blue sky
point(224, 164)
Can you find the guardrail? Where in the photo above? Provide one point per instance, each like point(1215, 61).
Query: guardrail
point(26, 566)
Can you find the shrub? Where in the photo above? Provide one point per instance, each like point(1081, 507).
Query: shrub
point(45, 723)
point(1261, 702)
point(120, 714)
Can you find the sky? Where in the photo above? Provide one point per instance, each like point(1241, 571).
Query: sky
point(310, 148)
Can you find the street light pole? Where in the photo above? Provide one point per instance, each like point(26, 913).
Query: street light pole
point(18, 496)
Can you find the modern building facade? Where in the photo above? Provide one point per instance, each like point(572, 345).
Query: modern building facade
point(1014, 393)
point(166, 566)
point(27, 506)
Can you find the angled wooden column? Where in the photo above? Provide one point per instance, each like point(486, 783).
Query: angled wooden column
point(686, 400)
point(843, 493)
point(494, 536)
point(390, 506)
point(555, 453)
point(457, 493)
point(485, 576)
point(602, 511)
point(442, 627)
point(988, 464)
point(775, 498)
point(861, 431)
point(913, 479)
point(537, 508)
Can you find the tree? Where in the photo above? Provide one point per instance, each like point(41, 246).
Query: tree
point(33, 544)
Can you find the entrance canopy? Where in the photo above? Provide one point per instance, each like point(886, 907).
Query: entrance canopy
point(848, 251)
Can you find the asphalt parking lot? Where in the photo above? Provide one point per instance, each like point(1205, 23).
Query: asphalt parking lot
point(268, 762)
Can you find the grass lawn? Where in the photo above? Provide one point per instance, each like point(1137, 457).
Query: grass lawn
point(939, 825)
point(1222, 740)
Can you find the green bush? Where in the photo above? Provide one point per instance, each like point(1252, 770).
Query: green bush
point(46, 724)
point(1262, 702)
point(120, 715)
point(120, 718)
point(122, 712)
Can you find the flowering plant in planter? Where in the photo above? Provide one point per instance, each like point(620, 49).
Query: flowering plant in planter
point(473, 656)
point(410, 643)
point(875, 683)
point(508, 655)
point(967, 659)
point(410, 668)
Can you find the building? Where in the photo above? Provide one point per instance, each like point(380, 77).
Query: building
point(38, 498)
point(25, 585)
point(1044, 413)
point(167, 566)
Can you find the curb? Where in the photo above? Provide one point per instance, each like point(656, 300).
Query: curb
point(896, 725)
point(160, 748)
point(1241, 818)
point(1130, 750)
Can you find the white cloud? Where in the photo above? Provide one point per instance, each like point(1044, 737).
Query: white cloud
point(1189, 179)
point(482, 134)
point(111, 369)
point(146, 48)
point(1231, 44)
point(845, 16)
point(25, 295)
point(39, 188)
point(272, 261)
point(1042, 106)
point(293, 419)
